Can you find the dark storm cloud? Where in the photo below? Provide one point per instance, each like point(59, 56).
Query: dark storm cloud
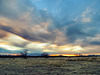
point(44, 37)
point(73, 33)
point(26, 34)
point(6, 28)
point(79, 31)
point(95, 43)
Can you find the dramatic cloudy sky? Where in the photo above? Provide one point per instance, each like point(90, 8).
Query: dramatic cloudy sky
point(53, 26)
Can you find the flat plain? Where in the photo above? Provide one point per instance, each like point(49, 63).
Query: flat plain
point(50, 66)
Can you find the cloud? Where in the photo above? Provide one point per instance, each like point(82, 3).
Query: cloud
point(35, 32)
point(3, 34)
point(7, 52)
point(28, 26)
point(55, 25)
point(74, 32)
point(9, 47)
point(86, 15)
point(92, 49)
point(86, 20)
point(95, 43)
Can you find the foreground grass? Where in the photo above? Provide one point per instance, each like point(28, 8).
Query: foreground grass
point(50, 66)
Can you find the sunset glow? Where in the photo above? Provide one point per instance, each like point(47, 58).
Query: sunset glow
point(52, 26)
point(63, 55)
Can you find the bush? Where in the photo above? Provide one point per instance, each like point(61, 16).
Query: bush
point(45, 54)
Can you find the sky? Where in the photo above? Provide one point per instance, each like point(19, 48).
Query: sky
point(53, 26)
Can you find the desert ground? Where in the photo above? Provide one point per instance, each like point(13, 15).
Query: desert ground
point(50, 66)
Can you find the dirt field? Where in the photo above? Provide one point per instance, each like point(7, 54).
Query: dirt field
point(50, 66)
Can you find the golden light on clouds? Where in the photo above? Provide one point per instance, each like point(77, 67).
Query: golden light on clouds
point(3, 43)
point(9, 47)
point(77, 48)
point(53, 45)
point(67, 49)
point(36, 45)
point(47, 50)
point(11, 39)
point(7, 42)
point(15, 38)
point(62, 49)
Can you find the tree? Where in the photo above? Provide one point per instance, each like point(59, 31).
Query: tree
point(45, 54)
point(24, 53)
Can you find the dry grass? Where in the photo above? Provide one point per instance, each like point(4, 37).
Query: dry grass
point(50, 66)
point(84, 59)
